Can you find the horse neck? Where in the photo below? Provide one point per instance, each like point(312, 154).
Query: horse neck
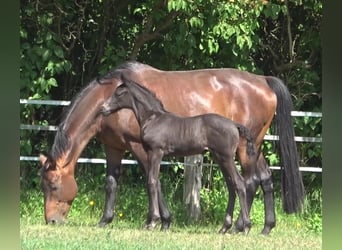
point(81, 123)
point(82, 137)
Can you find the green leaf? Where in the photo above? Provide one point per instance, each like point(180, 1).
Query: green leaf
point(46, 54)
point(196, 22)
point(59, 52)
point(52, 82)
point(36, 96)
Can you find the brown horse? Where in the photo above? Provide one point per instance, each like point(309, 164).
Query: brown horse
point(249, 99)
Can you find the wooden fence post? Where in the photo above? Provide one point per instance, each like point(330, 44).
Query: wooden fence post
point(192, 185)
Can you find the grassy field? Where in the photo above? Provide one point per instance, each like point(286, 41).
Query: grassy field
point(288, 234)
point(81, 232)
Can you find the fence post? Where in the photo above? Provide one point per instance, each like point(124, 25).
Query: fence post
point(192, 185)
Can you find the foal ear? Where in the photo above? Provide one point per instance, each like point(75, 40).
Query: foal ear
point(124, 78)
point(46, 161)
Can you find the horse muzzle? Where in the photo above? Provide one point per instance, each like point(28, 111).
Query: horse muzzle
point(55, 220)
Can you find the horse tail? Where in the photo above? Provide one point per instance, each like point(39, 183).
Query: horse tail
point(291, 179)
point(246, 133)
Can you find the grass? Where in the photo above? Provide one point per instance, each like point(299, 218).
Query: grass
point(80, 233)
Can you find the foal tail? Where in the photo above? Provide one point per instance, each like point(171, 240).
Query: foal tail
point(291, 179)
point(246, 133)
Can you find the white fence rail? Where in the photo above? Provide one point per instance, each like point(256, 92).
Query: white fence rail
point(133, 162)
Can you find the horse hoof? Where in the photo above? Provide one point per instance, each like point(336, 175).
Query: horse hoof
point(266, 231)
point(225, 229)
point(105, 222)
point(102, 224)
point(150, 226)
point(246, 231)
point(165, 226)
point(238, 229)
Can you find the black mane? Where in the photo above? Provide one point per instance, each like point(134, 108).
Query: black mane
point(129, 65)
point(61, 141)
point(147, 97)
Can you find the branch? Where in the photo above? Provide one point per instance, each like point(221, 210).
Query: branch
point(75, 33)
point(289, 32)
point(293, 64)
point(268, 47)
point(146, 35)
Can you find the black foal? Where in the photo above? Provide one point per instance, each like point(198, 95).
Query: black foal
point(164, 133)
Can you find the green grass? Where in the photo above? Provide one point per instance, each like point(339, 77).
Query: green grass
point(83, 233)
point(130, 236)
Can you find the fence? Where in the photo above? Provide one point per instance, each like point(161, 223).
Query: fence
point(131, 162)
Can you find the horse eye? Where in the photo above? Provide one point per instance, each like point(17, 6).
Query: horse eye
point(52, 186)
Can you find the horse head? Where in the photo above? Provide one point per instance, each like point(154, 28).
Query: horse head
point(59, 188)
point(81, 122)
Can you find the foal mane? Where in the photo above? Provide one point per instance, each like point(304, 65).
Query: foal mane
point(145, 96)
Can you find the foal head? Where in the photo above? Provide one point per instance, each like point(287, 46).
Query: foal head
point(122, 98)
point(133, 96)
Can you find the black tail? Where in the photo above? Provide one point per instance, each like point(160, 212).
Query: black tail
point(246, 133)
point(292, 184)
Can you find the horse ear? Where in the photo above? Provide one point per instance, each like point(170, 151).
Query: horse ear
point(46, 161)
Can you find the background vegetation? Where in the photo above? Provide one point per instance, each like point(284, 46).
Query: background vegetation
point(66, 43)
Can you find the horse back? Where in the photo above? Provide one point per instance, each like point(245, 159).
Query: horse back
point(238, 95)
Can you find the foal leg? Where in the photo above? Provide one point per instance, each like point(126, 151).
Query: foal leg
point(165, 214)
point(229, 170)
point(228, 220)
point(155, 158)
point(112, 177)
point(248, 165)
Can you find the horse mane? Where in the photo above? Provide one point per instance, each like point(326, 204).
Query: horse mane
point(62, 139)
point(128, 65)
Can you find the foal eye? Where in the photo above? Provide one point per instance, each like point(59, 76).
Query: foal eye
point(120, 93)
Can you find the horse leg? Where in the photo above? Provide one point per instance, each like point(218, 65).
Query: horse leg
point(113, 157)
point(267, 188)
point(165, 214)
point(264, 177)
point(155, 158)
